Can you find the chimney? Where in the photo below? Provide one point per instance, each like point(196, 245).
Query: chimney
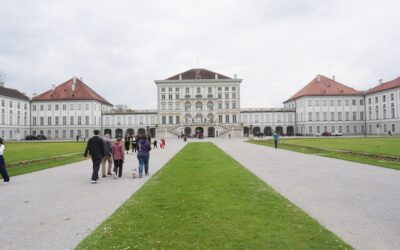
point(380, 81)
point(333, 77)
point(318, 78)
point(180, 77)
point(234, 76)
point(216, 76)
point(53, 87)
point(73, 83)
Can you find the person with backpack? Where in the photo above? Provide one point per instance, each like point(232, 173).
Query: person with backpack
point(143, 155)
point(3, 169)
point(95, 147)
point(107, 157)
point(118, 157)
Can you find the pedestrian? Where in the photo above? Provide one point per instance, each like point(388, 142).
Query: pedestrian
point(162, 143)
point(107, 156)
point(229, 136)
point(184, 138)
point(95, 147)
point(134, 144)
point(118, 157)
point(77, 138)
point(3, 169)
point(127, 143)
point(143, 155)
point(155, 143)
point(276, 139)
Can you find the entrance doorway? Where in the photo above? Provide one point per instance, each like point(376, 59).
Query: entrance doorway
point(199, 132)
point(211, 132)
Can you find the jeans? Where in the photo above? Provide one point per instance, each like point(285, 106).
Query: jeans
point(96, 167)
point(118, 167)
point(143, 162)
point(3, 170)
point(103, 165)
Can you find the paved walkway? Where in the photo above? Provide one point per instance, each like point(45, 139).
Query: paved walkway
point(360, 203)
point(57, 208)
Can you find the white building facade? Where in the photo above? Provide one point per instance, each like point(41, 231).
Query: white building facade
point(15, 114)
point(199, 102)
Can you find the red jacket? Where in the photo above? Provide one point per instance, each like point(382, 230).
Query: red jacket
point(117, 151)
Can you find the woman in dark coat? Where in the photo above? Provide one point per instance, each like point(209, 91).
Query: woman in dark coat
point(3, 169)
point(127, 143)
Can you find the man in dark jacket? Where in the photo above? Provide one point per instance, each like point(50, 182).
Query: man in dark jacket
point(95, 147)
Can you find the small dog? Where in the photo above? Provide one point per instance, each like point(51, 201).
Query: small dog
point(133, 173)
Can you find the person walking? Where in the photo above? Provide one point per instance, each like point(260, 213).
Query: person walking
point(229, 136)
point(119, 157)
point(107, 156)
point(155, 143)
point(134, 143)
point(3, 169)
point(143, 155)
point(127, 143)
point(95, 147)
point(276, 139)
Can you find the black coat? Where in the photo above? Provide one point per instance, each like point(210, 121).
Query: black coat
point(95, 147)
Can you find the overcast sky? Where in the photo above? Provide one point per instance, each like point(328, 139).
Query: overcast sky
point(121, 47)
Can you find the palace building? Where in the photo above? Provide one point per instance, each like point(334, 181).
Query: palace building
point(199, 102)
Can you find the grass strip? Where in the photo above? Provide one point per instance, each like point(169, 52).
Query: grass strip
point(203, 199)
point(355, 156)
point(24, 169)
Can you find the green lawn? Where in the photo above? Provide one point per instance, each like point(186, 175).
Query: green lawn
point(203, 199)
point(26, 151)
point(375, 151)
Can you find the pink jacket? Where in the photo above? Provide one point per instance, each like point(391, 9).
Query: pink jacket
point(117, 151)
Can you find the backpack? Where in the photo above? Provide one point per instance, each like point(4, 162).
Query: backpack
point(144, 146)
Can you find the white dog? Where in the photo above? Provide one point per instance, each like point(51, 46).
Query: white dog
point(133, 173)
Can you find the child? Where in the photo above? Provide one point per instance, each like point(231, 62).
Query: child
point(155, 143)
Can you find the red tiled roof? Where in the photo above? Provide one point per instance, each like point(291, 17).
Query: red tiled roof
point(12, 93)
point(64, 92)
point(197, 74)
point(385, 86)
point(324, 86)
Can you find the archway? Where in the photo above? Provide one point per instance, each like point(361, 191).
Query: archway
point(187, 106)
point(210, 105)
point(107, 131)
point(188, 131)
point(267, 131)
point(141, 131)
point(119, 133)
point(199, 132)
point(279, 130)
point(290, 131)
point(199, 106)
point(130, 132)
point(188, 119)
point(211, 132)
point(256, 131)
point(153, 132)
point(210, 118)
point(246, 131)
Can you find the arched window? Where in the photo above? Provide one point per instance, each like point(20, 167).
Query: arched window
point(199, 118)
point(210, 117)
point(188, 118)
point(199, 106)
point(210, 105)
point(187, 106)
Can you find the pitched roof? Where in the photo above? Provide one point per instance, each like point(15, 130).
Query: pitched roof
point(13, 93)
point(64, 92)
point(324, 86)
point(385, 86)
point(197, 74)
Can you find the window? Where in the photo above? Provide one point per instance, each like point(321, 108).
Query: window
point(170, 97)
point(71, 106)
point(79, 107)
point(376, 99)
point(316, 102)
point(233, 95)
point(187, 90)
point(355, 128)
point(325, 116)
point(384, 111)
point(361, 102)
point(220, 118)
point(57, 120)
point(86, 120)
point(170, 106)
point(226, 95)
point(234, 119)
point(219, 89)
point(41, 121)
point(384, 128)
point(220, 105)
point(339, 116)
point(177, 97)
point(354, 116)
point(392, 97)
point(79, 120)
point(332, 103)
point(323, 102)
point(164, 119)
point(226, 88)
point(233, 88)
point(163, 97)
point(393, 128)
point(339, 102)
point(347, 129)
point(227, 105)
point(177, 119)
point(317, 116)
point(362, 116)
point(177, 89)
point(64, 120)
point(209, 90)
point(198, 90)
point(33, 121)
point(219, 96)
point(347, 114)
point(310, 129)
point(170, 119)
point(56, 107)
point(64, 107)
point(169, 89)
point(71, 120)
point(86, 106)
point(234, 105)
point(309, 116)
point(384, 98)
point(392, 110)
point(49, 107)
point(354, 102)
point(41, 106)
point(49, 120)
point(309, 103)
point(71, 134)
point(369, 101)
point(162, 89)
point(226, 118)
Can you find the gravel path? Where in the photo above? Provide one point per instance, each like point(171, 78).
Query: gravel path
point(57, 208)
point(358, 202)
